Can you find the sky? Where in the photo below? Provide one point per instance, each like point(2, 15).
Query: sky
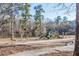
point(51, 12)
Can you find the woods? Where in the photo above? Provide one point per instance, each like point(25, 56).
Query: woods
point(16, 21)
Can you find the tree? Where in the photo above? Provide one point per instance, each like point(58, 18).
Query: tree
point(12, 20)
point(65, 25)
point(24, 23)
point(7, 9)
point(65, 18)
point(57, 20)
point(68, 8)
point(38, 17)
point(76, 51)
point(57, 23)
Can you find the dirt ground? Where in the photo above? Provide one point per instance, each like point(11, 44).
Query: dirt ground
point(15, 49)
point(8, 47)
point(64, 53)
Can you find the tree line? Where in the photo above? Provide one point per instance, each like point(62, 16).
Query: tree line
point(30, 25)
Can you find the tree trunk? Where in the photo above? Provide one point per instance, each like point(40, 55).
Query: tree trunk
point(22, 33)
point(12, 30)
point(76, 51)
